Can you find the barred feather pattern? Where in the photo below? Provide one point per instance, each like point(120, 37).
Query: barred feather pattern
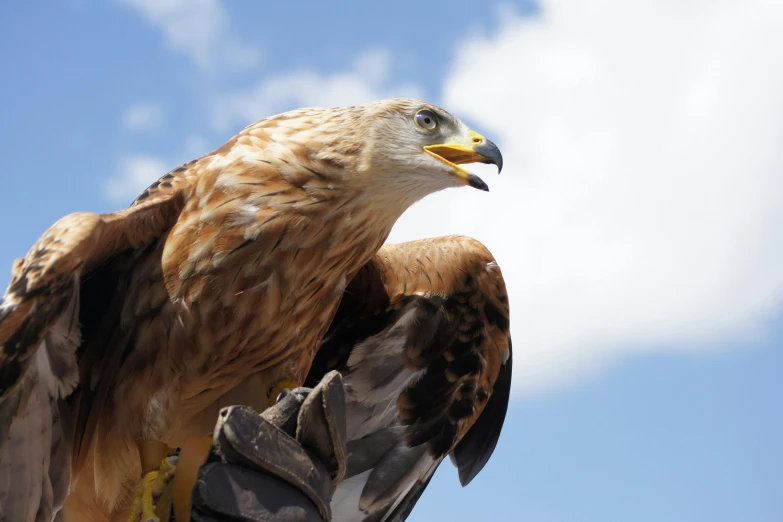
point(220, 280)
point(422, 339)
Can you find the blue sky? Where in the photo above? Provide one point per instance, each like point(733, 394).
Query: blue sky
point(636, 219)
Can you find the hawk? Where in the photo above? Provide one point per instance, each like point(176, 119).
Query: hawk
point(422, 340)
point(129, 330)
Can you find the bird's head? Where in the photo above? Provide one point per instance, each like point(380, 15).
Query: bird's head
point(400, 149)
point(412, 143)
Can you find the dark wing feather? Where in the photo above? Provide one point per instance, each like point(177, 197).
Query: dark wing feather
point(425, 368)
point(408, 502)
point(45, 316)
point(476, 447)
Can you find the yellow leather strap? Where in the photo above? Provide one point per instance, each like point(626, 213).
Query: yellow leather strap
point(192, 456)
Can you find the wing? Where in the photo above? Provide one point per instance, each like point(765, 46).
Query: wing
point(422, 340)
point(41, 340)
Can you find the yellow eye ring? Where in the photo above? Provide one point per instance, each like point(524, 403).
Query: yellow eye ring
point(427, 120)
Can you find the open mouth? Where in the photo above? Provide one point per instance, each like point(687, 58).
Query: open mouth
point(481, 150)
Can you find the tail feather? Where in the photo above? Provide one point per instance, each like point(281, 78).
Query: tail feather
point(393, 476)
point(384, 473)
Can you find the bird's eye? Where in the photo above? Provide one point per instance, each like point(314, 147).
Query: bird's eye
point(426, 120)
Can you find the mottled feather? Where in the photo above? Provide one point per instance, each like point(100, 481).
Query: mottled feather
point(422, 339)
point(220, 280)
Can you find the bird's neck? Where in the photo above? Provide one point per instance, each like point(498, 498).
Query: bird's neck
point(385, 197)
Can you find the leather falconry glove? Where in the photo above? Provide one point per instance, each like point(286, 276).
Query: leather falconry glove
point(278, 466)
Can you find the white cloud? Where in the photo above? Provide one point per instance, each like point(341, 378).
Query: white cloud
point(136, 173)
point(199, 29)
point(143, 117)
point(366, 80)
point(642, 200)
point(643, 190)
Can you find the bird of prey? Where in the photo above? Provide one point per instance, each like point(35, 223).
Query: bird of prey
point(124, 333)
point(422, 340)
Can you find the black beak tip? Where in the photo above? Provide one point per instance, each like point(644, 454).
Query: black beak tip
point(499, 164)
point(491, 154)
point(477, 183)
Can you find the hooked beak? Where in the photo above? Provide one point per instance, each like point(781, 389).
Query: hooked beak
point(478, 150)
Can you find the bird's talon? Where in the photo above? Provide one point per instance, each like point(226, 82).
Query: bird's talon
point(279, 390)
point(282, 394)
point(150, 490)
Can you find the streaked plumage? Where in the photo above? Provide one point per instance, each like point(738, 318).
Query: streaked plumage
point(422, 340)
point(217, 283)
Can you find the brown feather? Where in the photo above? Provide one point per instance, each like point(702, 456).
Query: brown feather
point(422, 339)
point(218, 281)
